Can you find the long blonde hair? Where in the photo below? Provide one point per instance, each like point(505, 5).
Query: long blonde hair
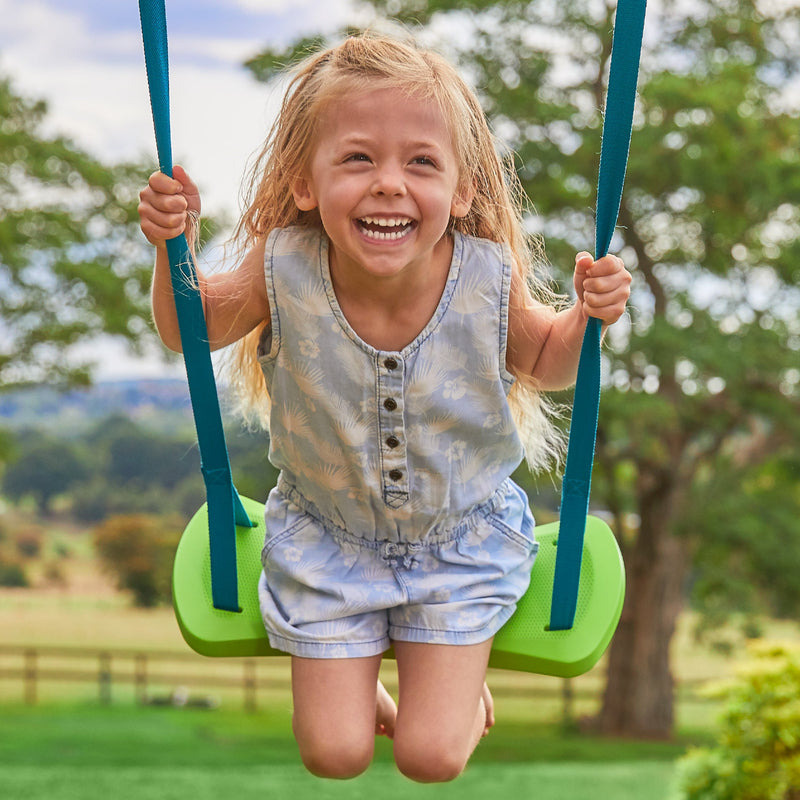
point(363, 63)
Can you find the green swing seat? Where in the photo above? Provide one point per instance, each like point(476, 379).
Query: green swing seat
point(524, 643)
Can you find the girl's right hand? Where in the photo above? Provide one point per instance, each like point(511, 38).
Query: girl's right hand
point(164, 205)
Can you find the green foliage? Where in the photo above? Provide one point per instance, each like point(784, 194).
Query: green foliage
point(121, 467)
point(43, 470)
point(749, 566)
point(12, 573)
point(72, 261)
point(757, 756)
point(138, 550)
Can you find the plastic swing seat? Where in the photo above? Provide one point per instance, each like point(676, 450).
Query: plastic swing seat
point(525, 643)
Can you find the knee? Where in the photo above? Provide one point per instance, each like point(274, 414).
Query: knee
point(429, 763)
point(335, 763)
point(336, 757)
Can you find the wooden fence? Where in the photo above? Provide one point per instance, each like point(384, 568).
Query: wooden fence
point(185, 678)
point(156, 677)
point(180, 678)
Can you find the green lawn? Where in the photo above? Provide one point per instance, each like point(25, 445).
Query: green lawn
point(125, 753)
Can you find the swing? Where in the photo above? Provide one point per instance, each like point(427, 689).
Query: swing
point(562, 632)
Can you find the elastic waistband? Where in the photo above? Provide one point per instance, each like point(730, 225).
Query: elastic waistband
point(437, 534)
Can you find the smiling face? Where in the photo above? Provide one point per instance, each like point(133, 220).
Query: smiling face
point(385, 179)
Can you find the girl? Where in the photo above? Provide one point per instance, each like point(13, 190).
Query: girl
point(383, 311)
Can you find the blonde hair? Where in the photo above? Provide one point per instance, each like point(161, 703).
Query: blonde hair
point(364, 63)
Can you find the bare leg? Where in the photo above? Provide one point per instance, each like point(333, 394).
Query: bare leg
point(445, 708)
point(335, 713)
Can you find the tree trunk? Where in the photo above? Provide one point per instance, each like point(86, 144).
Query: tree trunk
point(638, 699)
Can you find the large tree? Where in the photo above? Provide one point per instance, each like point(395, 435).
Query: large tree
point(72, 262)
point(705, 370)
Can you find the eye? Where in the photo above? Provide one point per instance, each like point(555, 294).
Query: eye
point(425, 161)
point(356, 157)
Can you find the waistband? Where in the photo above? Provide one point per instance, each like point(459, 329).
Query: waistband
point(435, 535)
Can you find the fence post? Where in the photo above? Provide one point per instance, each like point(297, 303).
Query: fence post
point(568, 699)
point(140, 678)
point(104, 677)
point(250, 686)
point(30, 675)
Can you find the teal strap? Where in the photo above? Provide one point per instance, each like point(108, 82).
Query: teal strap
point(225, 509)
point(625, 51)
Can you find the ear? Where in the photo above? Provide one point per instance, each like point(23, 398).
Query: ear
point(462, 201)
point(303, 193)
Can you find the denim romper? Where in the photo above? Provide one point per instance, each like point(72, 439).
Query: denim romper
point(394, 517)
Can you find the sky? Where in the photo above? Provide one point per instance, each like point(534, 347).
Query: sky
point(84, 58)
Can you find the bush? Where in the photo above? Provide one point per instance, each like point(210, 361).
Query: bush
point(138, 550)
point(758, 752)
point(12, 574)
point(29, 542)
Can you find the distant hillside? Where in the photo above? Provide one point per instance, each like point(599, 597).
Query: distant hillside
point(160, 403)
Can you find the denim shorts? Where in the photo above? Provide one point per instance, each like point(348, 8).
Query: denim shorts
point(325, 593)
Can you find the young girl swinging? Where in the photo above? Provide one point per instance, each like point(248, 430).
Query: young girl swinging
point(383, 312)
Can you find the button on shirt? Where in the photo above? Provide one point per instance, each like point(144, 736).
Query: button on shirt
point(389, 445)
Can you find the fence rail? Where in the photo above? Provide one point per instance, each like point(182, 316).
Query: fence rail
point(167, 677)
point(144, 671)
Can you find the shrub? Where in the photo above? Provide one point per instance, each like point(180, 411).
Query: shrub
point(757, 756)
point(12, 574)
point(29, 542)
point(138, 549)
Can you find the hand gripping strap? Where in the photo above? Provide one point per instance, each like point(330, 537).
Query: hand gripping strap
point(625, 52)
point(225, 508)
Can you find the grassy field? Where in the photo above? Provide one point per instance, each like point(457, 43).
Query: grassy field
point(85, 753)
point(70, 747)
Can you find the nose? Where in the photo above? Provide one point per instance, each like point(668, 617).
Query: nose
point(389, 181)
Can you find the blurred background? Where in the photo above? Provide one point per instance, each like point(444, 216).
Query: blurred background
point(698, 457)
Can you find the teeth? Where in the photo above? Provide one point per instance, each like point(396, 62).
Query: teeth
point(385, 235)
point(391, 222)
point(400, 225)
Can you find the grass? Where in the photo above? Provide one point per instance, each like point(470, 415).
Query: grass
point(86, 753)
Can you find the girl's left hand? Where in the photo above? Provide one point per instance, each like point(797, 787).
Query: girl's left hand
point(603, 286)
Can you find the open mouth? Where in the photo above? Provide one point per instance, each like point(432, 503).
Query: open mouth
point(385, 228)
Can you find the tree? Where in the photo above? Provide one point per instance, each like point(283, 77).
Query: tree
point(707, 364)
point(72, 262)
point(44, 469)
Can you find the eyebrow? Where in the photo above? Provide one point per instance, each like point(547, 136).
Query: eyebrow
point(357, 140)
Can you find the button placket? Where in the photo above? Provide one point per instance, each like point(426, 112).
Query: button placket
point(394, 456)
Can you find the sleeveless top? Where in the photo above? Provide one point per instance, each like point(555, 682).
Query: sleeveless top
point(389, 446)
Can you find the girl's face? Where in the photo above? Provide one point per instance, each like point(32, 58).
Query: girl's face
point(385, 179)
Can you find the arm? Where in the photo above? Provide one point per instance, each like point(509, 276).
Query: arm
point(234, 302)
point(546, 344)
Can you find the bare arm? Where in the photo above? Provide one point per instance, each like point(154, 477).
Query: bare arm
point(234, 302)
point(546, 344)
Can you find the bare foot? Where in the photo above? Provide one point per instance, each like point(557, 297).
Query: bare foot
point(488, 703)
point(385, 713)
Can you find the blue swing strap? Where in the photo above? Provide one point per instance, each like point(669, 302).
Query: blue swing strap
point(625, 52)
point(225, 509)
